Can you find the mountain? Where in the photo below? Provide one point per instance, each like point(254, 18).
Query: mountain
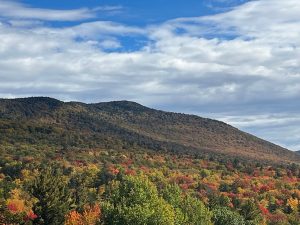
point(39, 125)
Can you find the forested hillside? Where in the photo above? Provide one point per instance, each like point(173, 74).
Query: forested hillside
point(45, 123)
point(120, 163)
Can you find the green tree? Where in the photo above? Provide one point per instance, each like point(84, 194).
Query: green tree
point(205, 173)
point(224, 187)
point(251, 213)
point(135, 200)
point(53, 195)
point(188, 210)
point(80, 184)
point(195, 211)
point(294, 218)
point(173, 195)
point(224, 216)
point(218, 200)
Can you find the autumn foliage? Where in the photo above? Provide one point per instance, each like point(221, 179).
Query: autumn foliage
point(120, 188)
point(89, 216)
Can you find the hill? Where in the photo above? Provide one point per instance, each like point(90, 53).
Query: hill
point(30, 125)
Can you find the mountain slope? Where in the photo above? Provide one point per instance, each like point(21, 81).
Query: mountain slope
point(52, 124)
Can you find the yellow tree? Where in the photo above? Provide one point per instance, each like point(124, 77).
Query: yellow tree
point(90, 216)
point(293, 203)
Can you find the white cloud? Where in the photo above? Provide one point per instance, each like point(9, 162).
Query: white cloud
point(240, 66)
point(281, 128)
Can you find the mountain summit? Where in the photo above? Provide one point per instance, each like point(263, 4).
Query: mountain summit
point(53, 124)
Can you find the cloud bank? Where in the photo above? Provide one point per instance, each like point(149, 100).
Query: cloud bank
point(240, 66)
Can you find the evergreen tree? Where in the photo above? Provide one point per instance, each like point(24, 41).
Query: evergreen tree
point(53, 195)
point(251, 213)
point(80, 184)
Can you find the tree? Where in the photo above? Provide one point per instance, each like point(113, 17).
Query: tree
point(293, 204)
point(224, 216)
point(195, 211)
point(188, 210)
point(251, 213)
point(89, 216)
point(81, 183)
point(173, 195)
point(218, 200)
point(205, 173)
point(224, 187)
point(53, 195)
point(135, 200)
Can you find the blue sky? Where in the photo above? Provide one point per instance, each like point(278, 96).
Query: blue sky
point(232, 60)
point(137, 12)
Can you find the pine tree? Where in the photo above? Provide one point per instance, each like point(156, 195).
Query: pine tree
point(53, 195)
point(251, 213)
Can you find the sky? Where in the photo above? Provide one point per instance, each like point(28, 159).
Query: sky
point(233, 60)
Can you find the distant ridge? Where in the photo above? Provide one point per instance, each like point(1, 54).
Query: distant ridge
point(43, 121)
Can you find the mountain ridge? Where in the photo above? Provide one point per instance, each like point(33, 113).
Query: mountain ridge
point(127, 125)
